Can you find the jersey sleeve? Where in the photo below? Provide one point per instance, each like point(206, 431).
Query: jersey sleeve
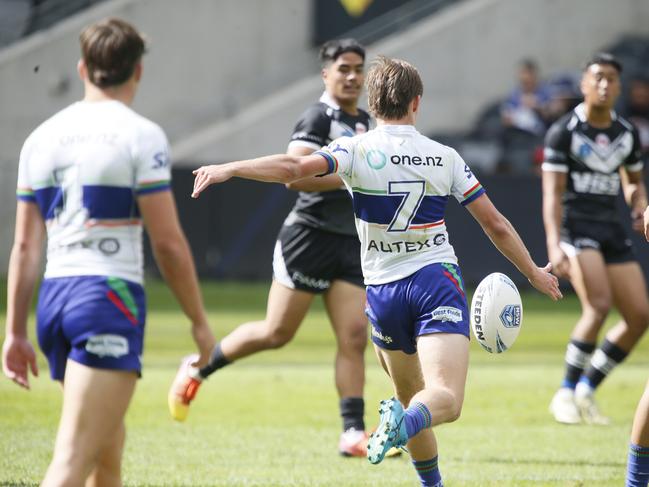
point(152, 162)
point(633, 162)
point(465, 186)
point(24, 187)
point(557, 148)
point(311, 130)
point(339, 155)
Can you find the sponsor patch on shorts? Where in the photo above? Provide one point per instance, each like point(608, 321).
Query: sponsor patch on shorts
point(380, 336)
point(107, 346)
point(447, 313)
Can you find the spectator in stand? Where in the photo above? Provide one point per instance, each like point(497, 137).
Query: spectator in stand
point(523, 115)
point(564, 96)
point(637, 110)
point(526, 107)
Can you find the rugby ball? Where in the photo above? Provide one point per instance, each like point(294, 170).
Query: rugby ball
point(496, 313)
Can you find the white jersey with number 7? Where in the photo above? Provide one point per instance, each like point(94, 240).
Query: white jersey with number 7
point(400, 182)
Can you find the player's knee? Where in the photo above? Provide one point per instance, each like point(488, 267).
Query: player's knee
point(278, 337)
point(643, 320)
point(454, 410)
point(451, 405)
point(598, 309)
point(355, 338)
point(638, 324)
point(108, 465)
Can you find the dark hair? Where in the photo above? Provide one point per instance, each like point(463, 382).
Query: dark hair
point(604, 58)
point(331, 50)
point(529, 64)
point(111, 48)
point(391, 85)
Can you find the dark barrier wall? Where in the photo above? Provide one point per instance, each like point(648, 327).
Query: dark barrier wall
point(333, 18)
point(232, 227)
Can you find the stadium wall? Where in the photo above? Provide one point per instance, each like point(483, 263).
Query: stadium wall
point(207, 60)
point(467, 55)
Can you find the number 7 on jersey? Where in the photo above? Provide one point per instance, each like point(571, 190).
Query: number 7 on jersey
point(413, 194)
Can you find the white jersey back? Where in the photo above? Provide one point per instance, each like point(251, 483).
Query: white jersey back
point(400, 183)
point(84, 168)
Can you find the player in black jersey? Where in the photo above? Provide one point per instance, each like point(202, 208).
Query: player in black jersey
point(317, 252)
point(589, 154)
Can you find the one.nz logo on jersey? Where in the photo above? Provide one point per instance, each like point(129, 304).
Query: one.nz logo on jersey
point(376, 159)
point(511, 316)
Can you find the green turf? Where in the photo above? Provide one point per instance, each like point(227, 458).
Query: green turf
point(272, 420)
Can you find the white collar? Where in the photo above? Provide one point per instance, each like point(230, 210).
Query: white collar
point(327, 99)
point(396, 128)
point(580, 111)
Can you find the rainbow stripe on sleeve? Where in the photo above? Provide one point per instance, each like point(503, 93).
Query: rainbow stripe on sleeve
point(473, 193)
point(147, 187)
point(25, 194)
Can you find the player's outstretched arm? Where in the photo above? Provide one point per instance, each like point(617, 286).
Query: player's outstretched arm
point(18, 355)
point(330, 182)
point(508, 242)
point(176, 264)
point(279, 168)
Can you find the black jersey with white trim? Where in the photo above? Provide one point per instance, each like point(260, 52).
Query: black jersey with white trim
point(591, 157)
point(321, 123)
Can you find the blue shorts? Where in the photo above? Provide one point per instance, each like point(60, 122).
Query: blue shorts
point(431, 300)
point(97, 321)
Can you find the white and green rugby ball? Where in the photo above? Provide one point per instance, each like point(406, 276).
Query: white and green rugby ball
point(496, 313)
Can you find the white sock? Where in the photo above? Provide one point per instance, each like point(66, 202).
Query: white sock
point(583, 390)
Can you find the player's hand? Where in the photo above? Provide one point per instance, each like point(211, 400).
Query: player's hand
point(208, 175)
point(545, 282)
point(646, 224)
point(205, 341)
point(18, 357)
point(559, 260)
point(638, 222)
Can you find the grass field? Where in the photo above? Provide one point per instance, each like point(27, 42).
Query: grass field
point(272, 420)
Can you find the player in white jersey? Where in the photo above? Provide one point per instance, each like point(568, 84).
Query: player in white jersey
point(89, 177)
point(400, 182)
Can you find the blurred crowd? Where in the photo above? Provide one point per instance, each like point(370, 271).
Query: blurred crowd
point(508, 134)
